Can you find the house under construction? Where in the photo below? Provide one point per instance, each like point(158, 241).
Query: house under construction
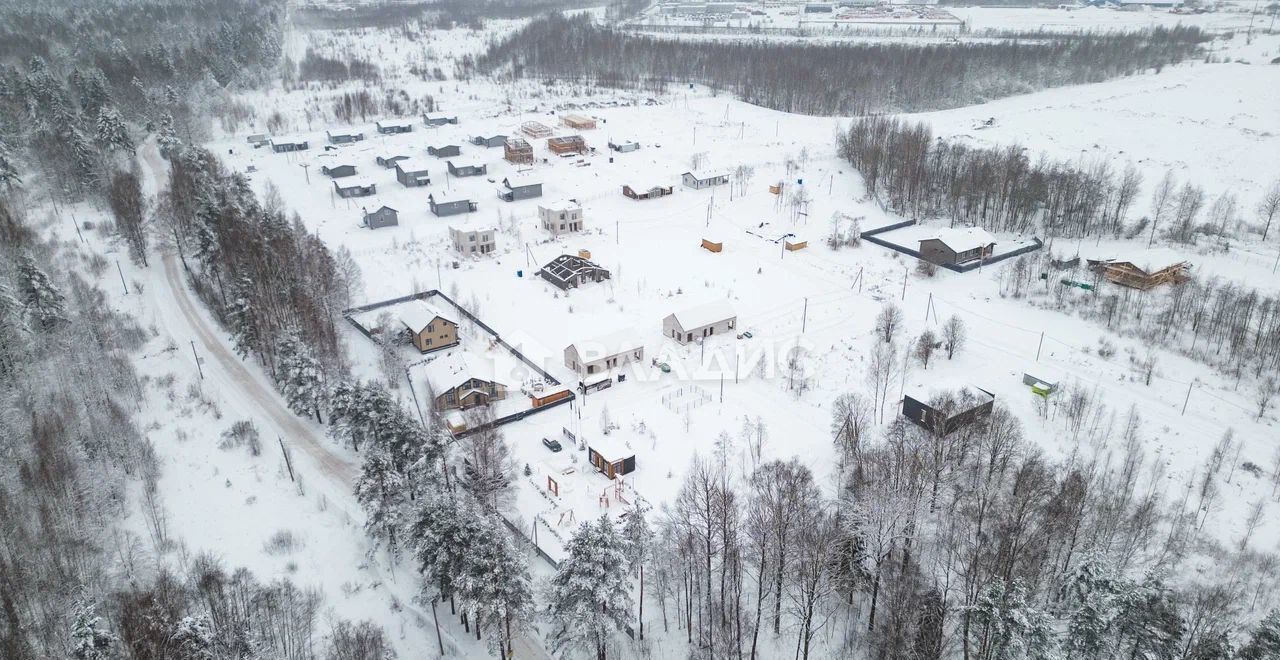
point(567, 144)
point(1141, 276)
point(578, 122)
point(517, 150)
point(535, 129)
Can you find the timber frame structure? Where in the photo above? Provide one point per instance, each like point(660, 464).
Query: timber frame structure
point(1127, 273)
point(517, 150)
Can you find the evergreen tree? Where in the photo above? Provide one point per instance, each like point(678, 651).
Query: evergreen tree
point(9, 178)
point(1014, 628)
point(495, 581)
point(299, 376)
point(243, 319)
point(167, 138)
point(380, 490)
point(42, 302)
point(90, 638)
point(112, 133)
point(638, 536)
point(589, 595)
point(1264, 643)
point(13, 333)
point(1092, 587)
point(1148, 623)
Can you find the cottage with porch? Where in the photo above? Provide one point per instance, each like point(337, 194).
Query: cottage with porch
point(461, 381)
point(344, 137)
point(393, 126)
point(355, 187)
point(515, 188)
point(488, 141)
point(699, 179)
point(460, 168)
point(282, 145)
point(412, 173)
point(444, 150)
point(957, 246)
point(385, 216)
point(338, 170)
point(441, 207)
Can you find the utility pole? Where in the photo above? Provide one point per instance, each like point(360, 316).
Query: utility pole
point(905, 272)
point(122, 282)
point(1188, 399)
point(306, 170)
point(287, 463)
point(1040, 347)
point(804, 316)
point(927, 307)
point(197, 356)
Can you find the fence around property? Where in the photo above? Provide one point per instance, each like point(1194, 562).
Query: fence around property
point(873, 236)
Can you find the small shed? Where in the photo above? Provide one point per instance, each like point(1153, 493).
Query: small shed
point(567, 144)
point(568, 271)
point(577, 122)
point(439, 120)
point(393, 126)
point(441, 207)
point(646, 193)
point(412, 172)
point(515, 188)
point(957, 246)
point(338, 170)
point(517, 150)
point(258, 139)
point(1039, 386)
point(946, 411)
point(385, 216)
point(495, 140)
point(612, 458)
point(444, 150)
point(536, 130)
point(624, 146)
point(355, 187)
point(344, 137)
point(712, 246)
point(793, 244)
point(584, 253)
point(462, 168)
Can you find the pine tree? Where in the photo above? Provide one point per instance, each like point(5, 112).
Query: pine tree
point(1264, 642)
point(9, 178)
point(380, 490)
point(42, 302)
point(1092, 587)
point(494, 581)
point(13, 333)
point(112, 134)
point(167, 138)
point(1014, 628)
point(299, 376)
point(243, 319)
point(589, 595)
point(1148, 624)
point(90, 638)
point(639, 537)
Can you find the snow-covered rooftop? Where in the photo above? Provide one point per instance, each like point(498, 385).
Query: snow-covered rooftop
point(448, 199)
point(612, 343)
point(517, 181)
point(963, 239)
point(412, 164)
point(705, 314)
point(355, 182)
point(458, 163)
point(702, 174)
point(1149, 259)
point(416, 315)
point(448, 371)
point(611, 447)
point(398, 123)
point(561, 205)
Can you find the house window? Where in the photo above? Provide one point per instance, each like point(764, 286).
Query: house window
point(430, 327)
point(428, 341)
point(472, 238)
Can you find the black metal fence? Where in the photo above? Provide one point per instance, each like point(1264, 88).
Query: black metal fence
point(872, 236)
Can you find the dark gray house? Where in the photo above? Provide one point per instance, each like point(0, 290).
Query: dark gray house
point(383, 217)
point(460, 168)
point(439, 120)
point(947, 411)
point(517, 188)
point(489, 140)
point(355, 187)
point(957, 245)
point(412, 172)
point(338, 170)
point(443, 207)
point(287, 144)
point(258, 139)
point(444, 150)
point(388, 160)
point(567, 271)
point(393, 126)
point(344, 137)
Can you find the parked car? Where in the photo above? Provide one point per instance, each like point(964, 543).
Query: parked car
point(553, 445)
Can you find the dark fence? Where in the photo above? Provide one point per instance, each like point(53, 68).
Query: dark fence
point(350, 313)
point(873, 237)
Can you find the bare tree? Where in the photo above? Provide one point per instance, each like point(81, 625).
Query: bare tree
point(953, 335)
point(1161, 200)
point(1269, 208)
point(1266, 392)
point(925, 345)
point(881, 369)
point(888, 322)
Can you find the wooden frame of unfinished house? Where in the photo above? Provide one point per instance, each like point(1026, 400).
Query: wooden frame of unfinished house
point(1126, 273)
point(567, 144)
point(535, 129)
point(578, 122)
point(517, 150)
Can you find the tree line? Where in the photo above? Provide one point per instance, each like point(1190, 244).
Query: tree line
point(76, 581)
point(78, 78)
point(827, 79)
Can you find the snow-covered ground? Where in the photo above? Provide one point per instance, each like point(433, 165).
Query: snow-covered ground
point(1214, 124)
